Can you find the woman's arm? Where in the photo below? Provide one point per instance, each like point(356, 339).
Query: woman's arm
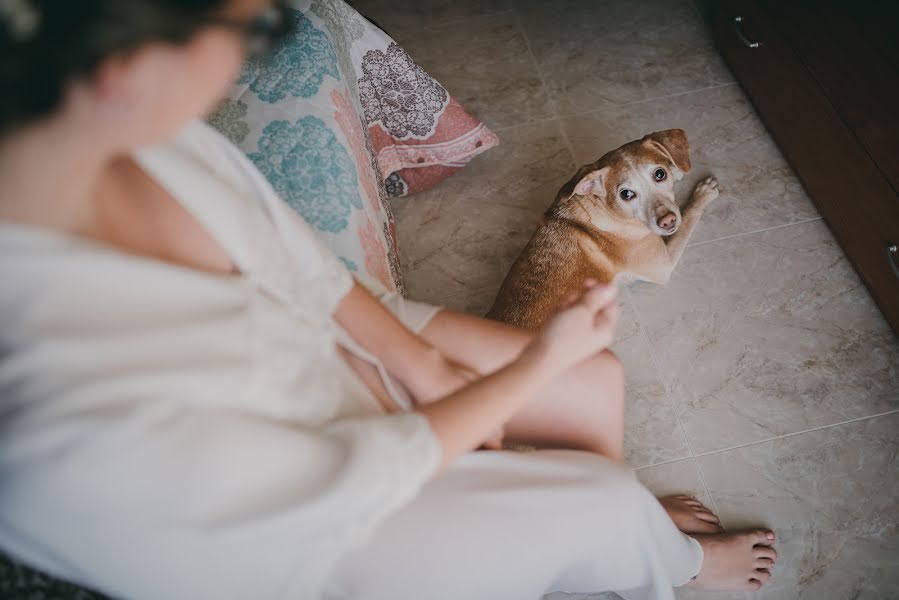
point(464, 418)
point(421, 368)
point(582, 327)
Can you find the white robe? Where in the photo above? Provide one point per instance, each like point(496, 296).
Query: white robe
point(166, 433)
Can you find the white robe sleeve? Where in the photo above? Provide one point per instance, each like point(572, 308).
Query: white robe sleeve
point(311, 253)
point(226, 505)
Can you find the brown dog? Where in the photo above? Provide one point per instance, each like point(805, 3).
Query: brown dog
point(606, 224)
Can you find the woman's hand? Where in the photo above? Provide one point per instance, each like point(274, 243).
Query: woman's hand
point(443, 377)
point(583, 325)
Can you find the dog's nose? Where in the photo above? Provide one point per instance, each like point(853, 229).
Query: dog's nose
point(667, 221)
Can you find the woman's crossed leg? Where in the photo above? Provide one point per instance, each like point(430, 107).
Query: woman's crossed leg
point(584, 409)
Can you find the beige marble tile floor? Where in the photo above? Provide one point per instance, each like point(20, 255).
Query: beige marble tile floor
point(762, 377)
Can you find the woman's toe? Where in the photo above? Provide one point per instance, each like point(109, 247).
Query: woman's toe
point(762, 575)
point(707, 515)
point(754, 585)
point(762, 536)
point(765, 552)
point(703, 526)
point(764, 562)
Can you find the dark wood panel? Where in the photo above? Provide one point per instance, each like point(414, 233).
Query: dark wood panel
point(851, 192)
point(829, 37)
point(879, 22)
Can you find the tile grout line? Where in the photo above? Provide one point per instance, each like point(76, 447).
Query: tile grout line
point(655, 362)
point(539, 70)
point(786, 435)
point(736, 235)
point(549, 98)
point(555, 112)
point(527, 44)
point(449, 296)
point(456, 22)
point(524, 123)
point(665, 462)
point(561, 117)
point(645, 100)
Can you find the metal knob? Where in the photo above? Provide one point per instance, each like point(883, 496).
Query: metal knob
point(738, 21)
point(892, 257)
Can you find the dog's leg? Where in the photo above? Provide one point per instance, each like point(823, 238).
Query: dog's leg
point(705, 191)
point(667, 255)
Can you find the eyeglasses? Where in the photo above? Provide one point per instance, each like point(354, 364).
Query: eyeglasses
point(265, 31)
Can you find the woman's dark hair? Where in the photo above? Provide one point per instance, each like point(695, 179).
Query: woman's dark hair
point(62, 40)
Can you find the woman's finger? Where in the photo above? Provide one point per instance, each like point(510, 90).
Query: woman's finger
point(494, 442)
point(599, 296)
point(605, 304)
point(568, 301)
point(606, 317)
point(709, 517)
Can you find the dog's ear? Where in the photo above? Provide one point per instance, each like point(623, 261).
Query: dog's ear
point(674, 143)
point(588, 180)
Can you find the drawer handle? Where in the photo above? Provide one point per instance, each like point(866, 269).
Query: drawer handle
point(892, 256)
point(738, 22)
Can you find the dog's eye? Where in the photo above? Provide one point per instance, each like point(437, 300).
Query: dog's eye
point(660, 174)
point(627, 195)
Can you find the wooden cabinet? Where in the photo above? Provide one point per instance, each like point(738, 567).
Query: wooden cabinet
point(824, 76)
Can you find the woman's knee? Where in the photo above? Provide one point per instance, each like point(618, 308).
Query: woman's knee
point(612, 363)
point(605, 371)
point(596, 396)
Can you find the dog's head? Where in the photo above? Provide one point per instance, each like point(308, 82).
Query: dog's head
point(635, 181)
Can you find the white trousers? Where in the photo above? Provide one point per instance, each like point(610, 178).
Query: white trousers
point(512, 525)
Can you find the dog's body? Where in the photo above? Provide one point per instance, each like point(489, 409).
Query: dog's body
point(606, 224)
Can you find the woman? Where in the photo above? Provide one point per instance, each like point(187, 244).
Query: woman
point(198, 401)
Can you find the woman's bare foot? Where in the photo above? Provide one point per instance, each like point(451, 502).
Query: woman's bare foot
point(735, 561)
point(690, 515)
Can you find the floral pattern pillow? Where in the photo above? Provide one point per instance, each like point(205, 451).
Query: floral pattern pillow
point(338, 119)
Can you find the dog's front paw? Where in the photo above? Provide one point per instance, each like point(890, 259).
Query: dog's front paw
point(706, 191)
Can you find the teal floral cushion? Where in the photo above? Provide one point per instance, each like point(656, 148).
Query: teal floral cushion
point(297, 68)
point(296, 115)
point(309, 167)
